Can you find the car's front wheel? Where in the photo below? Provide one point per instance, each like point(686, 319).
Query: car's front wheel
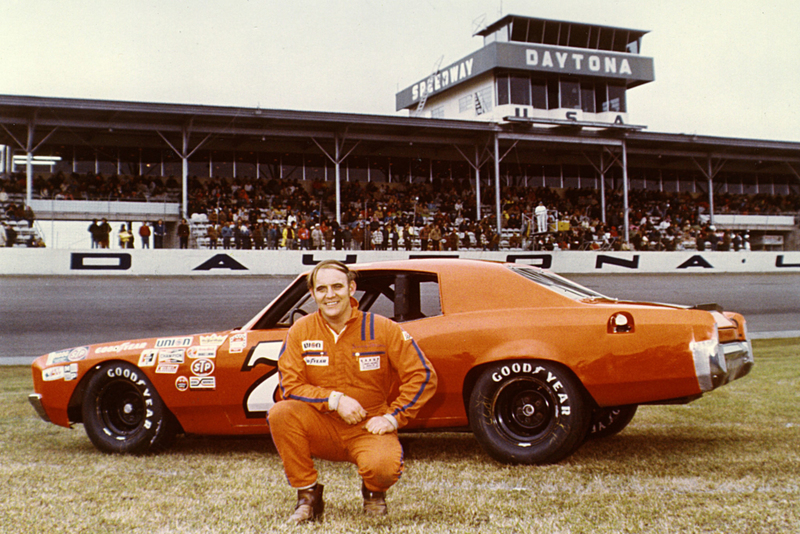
point(123, 413)
point(528, 412)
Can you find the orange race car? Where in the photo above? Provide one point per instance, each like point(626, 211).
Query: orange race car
point(532, 363)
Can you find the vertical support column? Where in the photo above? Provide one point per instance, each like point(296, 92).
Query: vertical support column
point(29, 164)
point(498, 214)
point(603, 185)
point(710, 191)
point(185, 174)
point(626, 208)
point(337, 162)
point(477, 184)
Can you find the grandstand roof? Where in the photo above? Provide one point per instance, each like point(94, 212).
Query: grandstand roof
point(89, 124)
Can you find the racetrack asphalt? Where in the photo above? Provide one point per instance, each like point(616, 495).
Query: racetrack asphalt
point(39, 315)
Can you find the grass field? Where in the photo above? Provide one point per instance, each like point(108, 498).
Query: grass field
point(729, 462)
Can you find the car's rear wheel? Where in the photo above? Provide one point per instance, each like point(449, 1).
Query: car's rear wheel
point(609, 421)
point(123, 413)
point(528, 412)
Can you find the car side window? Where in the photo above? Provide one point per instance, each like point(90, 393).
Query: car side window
point(400, 296)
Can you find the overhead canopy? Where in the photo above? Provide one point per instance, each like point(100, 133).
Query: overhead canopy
point(50, 126)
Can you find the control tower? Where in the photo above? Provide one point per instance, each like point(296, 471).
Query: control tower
point(538, 71)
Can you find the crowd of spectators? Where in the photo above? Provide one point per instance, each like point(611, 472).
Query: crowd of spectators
point(436, 215)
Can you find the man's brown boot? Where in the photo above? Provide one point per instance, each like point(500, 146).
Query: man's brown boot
point(309, 505)
point(374, 502)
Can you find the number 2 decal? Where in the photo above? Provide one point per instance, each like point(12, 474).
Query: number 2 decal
point(261, 395)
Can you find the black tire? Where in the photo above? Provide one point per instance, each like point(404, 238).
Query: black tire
point(123, 413)
point(525, 412)
point(607, 422)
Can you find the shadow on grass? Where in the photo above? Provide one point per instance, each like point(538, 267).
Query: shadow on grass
point(678, 444)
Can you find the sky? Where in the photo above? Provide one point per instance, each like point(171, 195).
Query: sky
point(723, 68)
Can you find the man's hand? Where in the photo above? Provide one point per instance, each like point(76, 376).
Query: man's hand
point(350, 410)
point(379, 425)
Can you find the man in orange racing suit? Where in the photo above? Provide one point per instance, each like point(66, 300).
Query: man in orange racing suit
point(337, 368)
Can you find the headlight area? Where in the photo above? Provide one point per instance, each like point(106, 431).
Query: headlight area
point(717, 364)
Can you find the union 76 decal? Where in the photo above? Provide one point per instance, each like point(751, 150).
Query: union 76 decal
point(261, 395)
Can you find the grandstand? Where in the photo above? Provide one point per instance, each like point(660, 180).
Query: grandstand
point(476, 154)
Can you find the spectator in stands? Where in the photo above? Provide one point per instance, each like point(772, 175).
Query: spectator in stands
point(28, 215)
point(144, 233)
point(105, 233)
point(159, 231)
point(227, 235)
point(273, 236)
point(94, 231)
point(304, 237)
point(125, 237)
point(183, 234)
point(347, 238)
point(3, 234)
point(211, 232)
point(435, 237)
point(258, 236)
point(316, 238)
point(327, 235)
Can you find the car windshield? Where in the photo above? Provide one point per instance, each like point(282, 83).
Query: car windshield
point(557, 283)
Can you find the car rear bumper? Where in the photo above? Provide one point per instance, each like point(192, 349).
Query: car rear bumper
point(718, 364)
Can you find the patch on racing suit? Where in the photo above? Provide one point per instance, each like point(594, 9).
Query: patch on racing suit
point(369, 363)
point(312, 345)
point(316, 360)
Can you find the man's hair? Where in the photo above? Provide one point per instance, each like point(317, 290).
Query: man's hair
point(329, 264)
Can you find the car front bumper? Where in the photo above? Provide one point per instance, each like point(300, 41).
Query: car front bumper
point(36, 401)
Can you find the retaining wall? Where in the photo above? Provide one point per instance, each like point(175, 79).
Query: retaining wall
point(172, 262)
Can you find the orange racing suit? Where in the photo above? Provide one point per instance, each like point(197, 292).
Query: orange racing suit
point(371, 356)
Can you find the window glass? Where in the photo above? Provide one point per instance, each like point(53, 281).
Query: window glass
point(616, 98)
point(552, 93)
point(502, 91)
point(570, 94)
point(520, 90)
point(557, 283)
point(600, 98)
point(539, 93)
point(587, 97)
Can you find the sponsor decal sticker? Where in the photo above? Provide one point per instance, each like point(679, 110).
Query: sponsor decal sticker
point(319, 361)
point(61, 356)
point(167, 369)
point(121, 347)
point(63, 372)
point(202, 367)
point(198, 382)
point(215, 340)
point(148, 358)
point(172, 342)
point(71, 372)
point(201, 352)
point(171, 356)
point(311, 345)
point(54, 373)
point(369, 363)
point(238, 343)
point(181, 383)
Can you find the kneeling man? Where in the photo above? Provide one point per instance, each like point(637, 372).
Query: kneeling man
point(337, 367)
